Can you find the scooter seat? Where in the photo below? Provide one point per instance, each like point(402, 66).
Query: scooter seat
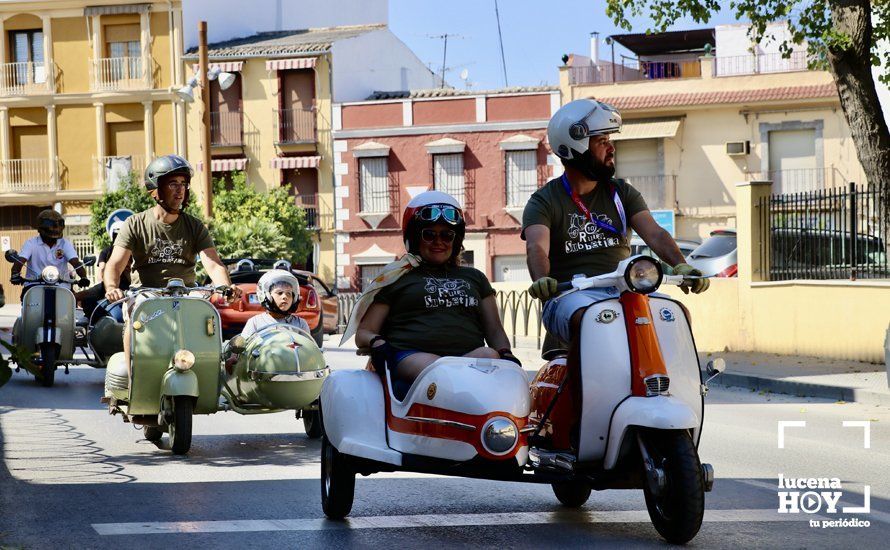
point(553, 347)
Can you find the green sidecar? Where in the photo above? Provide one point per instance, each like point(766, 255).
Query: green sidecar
point(278, 368)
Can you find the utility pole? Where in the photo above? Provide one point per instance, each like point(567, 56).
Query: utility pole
point(203, 67)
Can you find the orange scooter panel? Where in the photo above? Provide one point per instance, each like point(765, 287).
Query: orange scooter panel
point(645, 353)
point(565, 412)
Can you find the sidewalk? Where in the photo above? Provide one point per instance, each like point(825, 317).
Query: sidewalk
point(788, 374)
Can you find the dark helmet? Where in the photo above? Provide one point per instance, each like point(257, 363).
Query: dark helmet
point(166, 165)
point(430, 208)
point(50, 224)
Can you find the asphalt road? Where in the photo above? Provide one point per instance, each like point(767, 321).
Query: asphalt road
point(73, 476)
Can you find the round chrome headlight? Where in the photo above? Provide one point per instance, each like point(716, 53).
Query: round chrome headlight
point(499, 435)
point(643, 274)
point(50, 274)
point(183, 360)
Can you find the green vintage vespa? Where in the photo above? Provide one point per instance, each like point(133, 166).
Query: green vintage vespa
point(179, 367)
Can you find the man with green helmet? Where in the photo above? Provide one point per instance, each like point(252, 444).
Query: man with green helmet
point(164, 241)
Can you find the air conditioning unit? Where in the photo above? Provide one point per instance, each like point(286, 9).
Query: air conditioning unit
point(738, 148)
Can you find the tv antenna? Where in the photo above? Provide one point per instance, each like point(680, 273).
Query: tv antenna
point(444, 38)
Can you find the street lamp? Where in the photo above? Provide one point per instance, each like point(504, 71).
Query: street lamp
point(187, 93)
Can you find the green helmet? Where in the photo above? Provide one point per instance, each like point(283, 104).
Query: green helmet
point(164, 166)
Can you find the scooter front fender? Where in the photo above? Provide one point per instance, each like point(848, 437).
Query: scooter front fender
point(44, 335)
point(659, 412)
point(177, 383)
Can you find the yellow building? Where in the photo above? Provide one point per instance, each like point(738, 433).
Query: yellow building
point(85, 95)
point(703, 113)
point(274, 122)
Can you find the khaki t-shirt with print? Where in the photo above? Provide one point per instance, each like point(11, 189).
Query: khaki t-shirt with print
point(578, 246)
point(436, 310)
point(163, 251)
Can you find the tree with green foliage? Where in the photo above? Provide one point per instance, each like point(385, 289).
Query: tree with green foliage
point(247, 222)
point(847, 36)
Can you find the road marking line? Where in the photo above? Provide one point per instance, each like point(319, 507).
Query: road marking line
point(429, 520)
point(871, 515)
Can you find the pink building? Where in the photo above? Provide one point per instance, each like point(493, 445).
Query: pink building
point(488, 149)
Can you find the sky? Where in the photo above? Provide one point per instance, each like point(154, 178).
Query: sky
point(535, 34)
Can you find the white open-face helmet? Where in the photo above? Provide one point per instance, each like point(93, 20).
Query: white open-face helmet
point(572, 125)
point(269, 281)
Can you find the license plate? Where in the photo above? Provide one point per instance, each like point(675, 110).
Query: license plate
point(252, 299)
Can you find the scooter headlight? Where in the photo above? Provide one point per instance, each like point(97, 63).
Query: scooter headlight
point(183, 360)
point(643, 274)
point(499, 435)
point(50, 274)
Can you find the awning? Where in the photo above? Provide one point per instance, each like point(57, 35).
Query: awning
point(225, 66)
point(648, 129)
point(290, 163)
point(224, 165)
point(287, 64)
point(116, 10)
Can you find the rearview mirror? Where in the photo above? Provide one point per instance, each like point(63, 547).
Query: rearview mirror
point(11, 255)
point(716, 366)
point(89, 260)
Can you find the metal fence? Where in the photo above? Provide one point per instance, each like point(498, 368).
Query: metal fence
point(519, 312)
point(836, 233)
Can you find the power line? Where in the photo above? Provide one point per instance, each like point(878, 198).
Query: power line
point(501, 42)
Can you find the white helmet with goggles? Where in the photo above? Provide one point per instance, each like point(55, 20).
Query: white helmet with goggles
point(429, 208)
point(272, 279)
point(572, 125)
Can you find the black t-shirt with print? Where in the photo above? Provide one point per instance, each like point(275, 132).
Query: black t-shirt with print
point(578, 246)
point(436, 310)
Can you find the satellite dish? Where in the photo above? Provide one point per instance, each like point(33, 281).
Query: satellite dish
point(464, 74)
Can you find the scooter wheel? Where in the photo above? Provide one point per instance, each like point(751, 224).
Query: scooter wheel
point(337, 481)
point(152, 433)
point(572, 494)
point(181, 428)
point(678, 510)
point(48, 355)
point(312, 423)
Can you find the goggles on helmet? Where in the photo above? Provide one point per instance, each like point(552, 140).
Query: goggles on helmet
point(434, 213)
point(47, 223)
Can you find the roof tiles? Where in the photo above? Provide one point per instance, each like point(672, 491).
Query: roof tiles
point(730, 96)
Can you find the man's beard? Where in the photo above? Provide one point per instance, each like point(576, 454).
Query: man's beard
point(593, 169)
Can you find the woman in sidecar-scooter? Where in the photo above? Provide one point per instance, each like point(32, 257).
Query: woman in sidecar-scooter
point(429, 296)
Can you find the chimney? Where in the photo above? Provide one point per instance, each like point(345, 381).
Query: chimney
point(595, 48)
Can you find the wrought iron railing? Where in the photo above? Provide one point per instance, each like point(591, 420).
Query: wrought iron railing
point(226, 128)
point(296, 126)
point(28, 175)
point(836, 233)
point(319, 213)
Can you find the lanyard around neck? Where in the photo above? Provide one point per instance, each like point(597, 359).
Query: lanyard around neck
point(584, 210)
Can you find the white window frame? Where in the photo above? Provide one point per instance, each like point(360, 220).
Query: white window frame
point(374, 185)
point(520, 176)
point(449, 176)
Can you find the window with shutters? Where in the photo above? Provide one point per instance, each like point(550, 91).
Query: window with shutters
point(448, 175)
point(374, 188)
point(367, 273)
point(521, 172)
point(27, 54)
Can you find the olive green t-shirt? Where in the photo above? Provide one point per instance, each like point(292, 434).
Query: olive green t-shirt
point(578, 246)
point(163, 251)
point(436, 310)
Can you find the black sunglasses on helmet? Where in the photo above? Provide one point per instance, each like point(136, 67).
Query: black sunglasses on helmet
point(49, 223)
point(436, 212)
point(429, 235)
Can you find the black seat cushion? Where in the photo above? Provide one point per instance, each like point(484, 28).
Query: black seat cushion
point(553, 347)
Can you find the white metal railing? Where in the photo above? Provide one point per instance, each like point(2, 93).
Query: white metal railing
point(759, 64)
point(120, 73)
point(28, 175)
point(659, 191)
point(635, 69)
point(26, 78)
point(799, 180)
point(111, 171)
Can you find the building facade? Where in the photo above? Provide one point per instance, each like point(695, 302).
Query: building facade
point(85, 97)
point(487, 149)
point(703, 113)
point(274, 123)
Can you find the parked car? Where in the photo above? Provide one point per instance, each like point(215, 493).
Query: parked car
point(717, 256)
point(330, 304)
point(638, 246)
point(245, 273)
point(825, 254)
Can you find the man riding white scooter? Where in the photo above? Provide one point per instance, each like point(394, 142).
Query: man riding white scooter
point(163, 241)
point(48, 248)
point(578, 224)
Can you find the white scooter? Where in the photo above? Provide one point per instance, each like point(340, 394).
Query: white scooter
point(628, 416)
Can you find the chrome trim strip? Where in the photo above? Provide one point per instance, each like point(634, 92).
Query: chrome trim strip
point(291, 376)
point(442, 422)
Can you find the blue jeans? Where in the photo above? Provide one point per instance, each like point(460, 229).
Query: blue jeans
point(558, 311)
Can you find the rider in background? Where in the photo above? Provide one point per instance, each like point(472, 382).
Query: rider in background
point(46, 249)
point(579, 223)
point(163, 241)
point(90, 297)
point(435, 307)
point(279, 293)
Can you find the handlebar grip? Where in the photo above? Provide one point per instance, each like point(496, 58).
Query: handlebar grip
point(562, 287)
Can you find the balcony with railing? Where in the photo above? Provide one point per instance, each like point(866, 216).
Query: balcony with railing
point(110, 172)
point(799, 180)
point(27, 78)
point(34, 175)
point(738, 65)
point(635, 70)
point(120, 73)
point(295, 126)
point(659, 191)
point(226, 129)
point(319, 213)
